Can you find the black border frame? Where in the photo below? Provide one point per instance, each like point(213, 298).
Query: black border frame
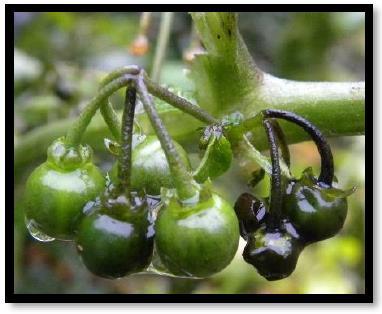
point(11, 297)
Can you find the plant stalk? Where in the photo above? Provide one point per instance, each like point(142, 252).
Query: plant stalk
point(281, 141)
point(144, 22)
point(160, 51)
point(164, 94)
point(124, 161)
point(111, 119)
point(77, 129)
point(179, 102)
point(183, 180)
point(276, 185)
point(327, 164)
point(129, 69)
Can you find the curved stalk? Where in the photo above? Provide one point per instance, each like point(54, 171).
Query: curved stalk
point(107, 111)
point(281, 141)
point(129, 69)
point(76, 131)
point(111, 119)
point(163, 94)
point(327, 165)
point(183, 180)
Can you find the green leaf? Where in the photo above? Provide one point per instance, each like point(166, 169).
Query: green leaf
point(216, 160)
point(309, 179)
point(337, 193)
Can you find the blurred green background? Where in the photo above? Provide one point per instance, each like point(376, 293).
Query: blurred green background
point(59, 59)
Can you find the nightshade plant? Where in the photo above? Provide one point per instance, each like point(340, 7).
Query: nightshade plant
point(154, 213)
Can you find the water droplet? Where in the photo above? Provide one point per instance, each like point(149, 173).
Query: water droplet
point(90, 206)
point(156, 267)
point(36, 233)
point(150, 231)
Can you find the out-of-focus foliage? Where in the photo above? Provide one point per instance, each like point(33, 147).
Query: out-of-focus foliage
point(59, 60)
point(69, 36)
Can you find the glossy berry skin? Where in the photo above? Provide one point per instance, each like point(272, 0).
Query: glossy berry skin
point(317, 211)
point(251, 213)
point(57, 190)
point(150, 169)
point(274, 253)
point(116, 238)
point(197, 240)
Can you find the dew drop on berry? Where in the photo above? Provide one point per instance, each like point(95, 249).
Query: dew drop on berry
point(36, 233)
point(157, 267)
point(89, 207)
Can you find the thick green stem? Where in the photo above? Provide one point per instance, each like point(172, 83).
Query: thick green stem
point(334, 107)
point(183, 180)
point(160, 52)
point(226, 76)
point(337, 109)
point(227, 80)
point(124, 161)
point(76, 131)
point(179, 102)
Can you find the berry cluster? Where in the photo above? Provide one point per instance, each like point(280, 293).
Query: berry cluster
point(298, 212)
point(153, 212)
point(150, 211)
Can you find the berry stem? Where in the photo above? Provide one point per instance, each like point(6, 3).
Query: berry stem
point(163, 94)
point(124, 161)
point(281, 141)
point(77, 129)
point(276, 184)
point(107, 111)
point(183, 180)
point(130, 69)
point(111, 119)
point(179, 102)
point(327, 165)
